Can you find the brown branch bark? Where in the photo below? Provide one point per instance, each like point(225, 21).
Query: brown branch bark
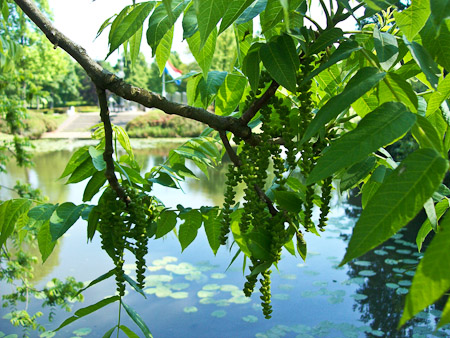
point(109, 148)
point(231, 153)
point(105, 80)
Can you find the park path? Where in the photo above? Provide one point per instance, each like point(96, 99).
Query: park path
point(77, 125)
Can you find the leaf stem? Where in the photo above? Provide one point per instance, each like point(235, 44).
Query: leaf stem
point(118, 320)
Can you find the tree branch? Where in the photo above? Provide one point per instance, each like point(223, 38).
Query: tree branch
point(257, 105)
point(109, 149)
point(105, 80)
point(231, 153)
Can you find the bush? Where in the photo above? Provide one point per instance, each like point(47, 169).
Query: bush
point(87, 109)
point(36, 124)
point(156, 124)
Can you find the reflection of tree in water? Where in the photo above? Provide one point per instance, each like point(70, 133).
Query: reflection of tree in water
point(393, 262)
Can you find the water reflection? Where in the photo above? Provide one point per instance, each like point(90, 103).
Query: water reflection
point(194, 295)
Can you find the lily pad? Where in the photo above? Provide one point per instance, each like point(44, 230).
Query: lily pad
point(179, 286)
point(285, 287)
point(190, 309)
point(280, 296)
point(359, 296)
point(205, 294)
point(250, 319)
point(207, 300)
point(380, 252)
point(410, 273)
point(155, 268)
point(82, 332)
point(392, 285)
point(410, 261)
point(179, 295)
point(319, 283)
point(218, 275)
point(405, 283)
point(403, 251)
point(211, 287)
point(181, 269)
point(390, 247)
point(289, 276)
point(402, 291)
point(219, 313)
point(196, 276)
point(163, 292)
point(398, 270)
point(238, 293)
point(362, 263)
point(390, 261)
point(240, 300)
point(222, 302)
point(152, 280)
point(311, 272)
point(229, 288)
point(367, 273)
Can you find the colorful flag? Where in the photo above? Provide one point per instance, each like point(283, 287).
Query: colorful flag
point(173, 72)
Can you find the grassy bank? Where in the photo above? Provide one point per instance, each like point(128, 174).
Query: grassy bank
point(158, 124)
point(36, 124)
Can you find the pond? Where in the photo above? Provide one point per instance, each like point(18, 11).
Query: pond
point(196, 294)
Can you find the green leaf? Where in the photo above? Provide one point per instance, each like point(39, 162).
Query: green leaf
point(439, 96)
point(431, 213)
point(301, 246)
point(230, 94)
point(188, 229)
point(93, 219)
point(280, 58)
point(372, 185)
point(395, 88)
point(10, 211)
point(166, 222)
point(259, 243)
point(209, 13)
point(234, 9)
point(426, 135)
point(251, 67)
point(163, 50)
point(412, 19)
point(93, 187)
point(160, 22)
point(40, 214)
point(124, 140)
point(208, 88)
point(190, 25)
point(386, 47)
point(378, 128)
point(252, 11)
point(109, 332)
point(325, 39)
point(437, 43)
point(76, 160)
point(212, 224)
point(425, 62)
point(88, 310)
point(203, 55)
point(432, 277)
point(83, 171)
point(45, 242)
point(97, 158)
point(135, 46)
point(364, 80)
point(344, 50)
point(398, 200)
point(164, 180)
point(289, 201)
point(440, 10)
point(63, 218)
point(134, 285)
point(426, 227)
point(356, 173)
point(236, 230)
point(128, 332)
point(98, 280)
point(137, 319)
point(272, 15)
point(129, 25)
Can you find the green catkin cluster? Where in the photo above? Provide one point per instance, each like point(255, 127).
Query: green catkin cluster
point(325, 206)
point(233, 178)
point(266, 294)
point(125, 226)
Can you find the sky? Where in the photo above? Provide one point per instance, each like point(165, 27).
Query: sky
point(81, 19)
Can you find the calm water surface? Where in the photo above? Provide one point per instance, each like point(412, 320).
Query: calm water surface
point(192, 294)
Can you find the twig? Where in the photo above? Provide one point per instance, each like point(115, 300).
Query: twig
point(259, 103)
point(109, 149)
point(266, 199)
point(231, 153)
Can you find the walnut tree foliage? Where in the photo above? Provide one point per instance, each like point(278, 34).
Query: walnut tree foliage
point(309, 108)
